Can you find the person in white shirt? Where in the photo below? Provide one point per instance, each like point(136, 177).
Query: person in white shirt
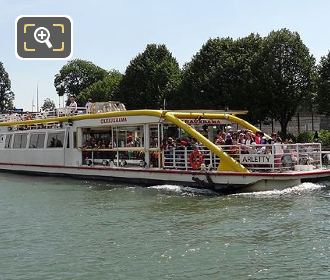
point(73, 105)
point(88, 105)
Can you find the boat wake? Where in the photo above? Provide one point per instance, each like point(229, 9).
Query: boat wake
point(182, 190)
point(297, 190)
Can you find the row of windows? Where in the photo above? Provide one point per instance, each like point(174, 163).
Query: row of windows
point(37, 140)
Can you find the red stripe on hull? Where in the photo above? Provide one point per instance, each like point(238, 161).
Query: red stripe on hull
point(256, 174)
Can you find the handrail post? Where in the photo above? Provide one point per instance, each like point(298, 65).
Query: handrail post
point(185, 158)
point(211, 159)
point(162, 152)
point(320, 153)
point(273, 153)
point(92, 157)
point(297, 150)
point(239, 153)
point(174, 158)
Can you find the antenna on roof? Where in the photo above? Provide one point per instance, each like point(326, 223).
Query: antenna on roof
point(37, 98)
point(32, 103)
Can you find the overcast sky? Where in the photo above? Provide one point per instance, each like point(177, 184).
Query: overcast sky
point(111, 33)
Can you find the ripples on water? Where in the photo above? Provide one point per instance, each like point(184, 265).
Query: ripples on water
point(56, 228)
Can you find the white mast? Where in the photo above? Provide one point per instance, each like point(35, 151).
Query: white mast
point(32, 103)
point(37, 98)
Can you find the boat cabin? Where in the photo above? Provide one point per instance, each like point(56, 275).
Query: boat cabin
point(106, 135)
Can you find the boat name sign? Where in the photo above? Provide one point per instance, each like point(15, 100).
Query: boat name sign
point(205, 122)
point(113, 120)
point(256, 158)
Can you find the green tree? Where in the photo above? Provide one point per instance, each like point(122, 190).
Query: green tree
point(323, 85)
point(285, 71)
point(220, 74)
point(104, 90)
point(6, 95)
point(48, 105)
point(150, 78)
point(77, 75)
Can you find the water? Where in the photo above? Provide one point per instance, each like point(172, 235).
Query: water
point(57, 228)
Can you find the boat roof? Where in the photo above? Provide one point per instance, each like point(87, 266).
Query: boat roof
point(65, 114)
point(207, 111)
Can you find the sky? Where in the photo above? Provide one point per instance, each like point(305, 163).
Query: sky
point(111, 33)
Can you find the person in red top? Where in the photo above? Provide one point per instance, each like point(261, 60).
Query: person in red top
point(258, 137)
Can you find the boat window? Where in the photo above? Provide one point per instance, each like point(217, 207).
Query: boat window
point(129, 136)
point(37, 141)
point(75, 140)
point(20, 141)
point(68, 140)
point(55, 140)
point(8, 141)
point(96, 138)
point(153, 136)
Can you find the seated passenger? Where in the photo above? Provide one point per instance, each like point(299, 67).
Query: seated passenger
point(72, 105)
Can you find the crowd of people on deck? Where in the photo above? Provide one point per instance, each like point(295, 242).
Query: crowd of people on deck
point(106, 143)
point(231, 141)
point(98, 143)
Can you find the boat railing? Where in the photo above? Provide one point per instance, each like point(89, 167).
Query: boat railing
point(94, 108)
point(60, 112)
point(259, 158)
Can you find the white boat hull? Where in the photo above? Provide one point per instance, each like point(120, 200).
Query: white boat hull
point(226, 182)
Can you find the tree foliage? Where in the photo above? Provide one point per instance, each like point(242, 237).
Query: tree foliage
point(220, 74)
point(323, 85)
point(6, 95)
point(104, 90)
point(48, 105)
point(150, 78)
point(77, 75)
point(285, 70)
point(269, 76)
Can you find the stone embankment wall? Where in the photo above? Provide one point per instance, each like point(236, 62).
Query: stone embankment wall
point(300, 123)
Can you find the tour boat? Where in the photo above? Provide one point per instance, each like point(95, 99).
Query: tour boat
point(150, 147)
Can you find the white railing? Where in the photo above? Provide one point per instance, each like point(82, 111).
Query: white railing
point(93, 108)
point(266, 158)
point(66, 111)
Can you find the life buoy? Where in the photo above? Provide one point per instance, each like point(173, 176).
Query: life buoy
point(196, 159)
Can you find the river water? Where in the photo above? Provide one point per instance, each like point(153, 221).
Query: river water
point(59, 228)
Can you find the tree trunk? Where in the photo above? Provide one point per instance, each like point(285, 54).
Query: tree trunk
point(284, 124)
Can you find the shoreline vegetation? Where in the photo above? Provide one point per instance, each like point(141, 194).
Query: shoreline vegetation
point(273, 77)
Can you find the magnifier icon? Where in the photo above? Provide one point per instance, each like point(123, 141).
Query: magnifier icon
point(41, 35)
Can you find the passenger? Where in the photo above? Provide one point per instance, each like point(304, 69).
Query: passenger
point(278, 152)
point(73, 105)
point(219, 140)
point(234, 149)
point(253, 148)
point(241, 139)
point(258, 137)
point(170, 143)
point(88, 105)
point(28, 116)
point(264, 140)
point(229, 139)
point(129, 141)
point(278, 145)
point(249, 139)
point(219, 133)
point(265, 150)
point(274, 136)
point(154, 142)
